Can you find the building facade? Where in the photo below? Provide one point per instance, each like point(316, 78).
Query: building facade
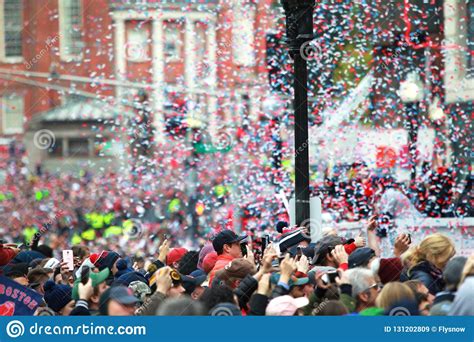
point(203, 60)
point(435, 40)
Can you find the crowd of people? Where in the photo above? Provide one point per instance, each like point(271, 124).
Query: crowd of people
point(284, 274)
point(67, 204)
point(143, 247)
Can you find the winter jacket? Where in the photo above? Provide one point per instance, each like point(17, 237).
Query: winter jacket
point(429, 275)
point(222, 261)
point(246, 288)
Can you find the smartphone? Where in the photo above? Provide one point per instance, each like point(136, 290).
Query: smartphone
point(409, 238)
point(243, 248)
point(69, 258)
point(276, 265)
point(265, 243)
point(299, 251)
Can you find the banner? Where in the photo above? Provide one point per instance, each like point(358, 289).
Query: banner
point(233, 329)
point(16, 299)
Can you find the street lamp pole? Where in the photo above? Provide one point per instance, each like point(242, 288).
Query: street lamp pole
point(411, 94)
point(299, 30)
point(437, 117)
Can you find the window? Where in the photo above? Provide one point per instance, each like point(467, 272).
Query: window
point(203, 69)
point(70, 27)
point(56, 151)
point(12, 114)
point(173, 41)
point(11, 20)
point(78, 147)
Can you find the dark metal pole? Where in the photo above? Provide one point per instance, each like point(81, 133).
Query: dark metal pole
point(413, 123)
point(301, 140)
point(299, 32)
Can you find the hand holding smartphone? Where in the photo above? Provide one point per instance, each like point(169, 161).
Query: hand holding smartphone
point(68, 257)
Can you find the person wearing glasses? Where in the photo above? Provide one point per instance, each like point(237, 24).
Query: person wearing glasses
point(365, 288)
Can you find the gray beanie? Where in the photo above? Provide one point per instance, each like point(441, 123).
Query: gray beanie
point(453, 271)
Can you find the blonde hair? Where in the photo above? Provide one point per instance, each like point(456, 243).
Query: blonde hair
point(407, 257)
point(435, 248)
point(393, 293)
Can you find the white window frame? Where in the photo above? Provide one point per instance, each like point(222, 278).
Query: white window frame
point(3, 57)
point(5, 98)
point(243, 34)
point(63, 53)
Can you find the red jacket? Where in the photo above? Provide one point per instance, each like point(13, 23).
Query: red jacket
point(222, 261)
point(6, 254)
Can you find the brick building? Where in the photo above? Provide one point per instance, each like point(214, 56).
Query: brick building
point(61, 54)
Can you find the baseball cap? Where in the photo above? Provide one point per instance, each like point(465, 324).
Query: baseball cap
point(360, 257)
point(285, 305)
point(324, 246)
point(120, 294)
point(175, 255)
point(226, 237)
point(97, 278)
point(140, 289)
point(236, 269)
point(193, 280)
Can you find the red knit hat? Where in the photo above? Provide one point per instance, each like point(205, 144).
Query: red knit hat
point(390, 270)
point(175, 255)
point(209, 262)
